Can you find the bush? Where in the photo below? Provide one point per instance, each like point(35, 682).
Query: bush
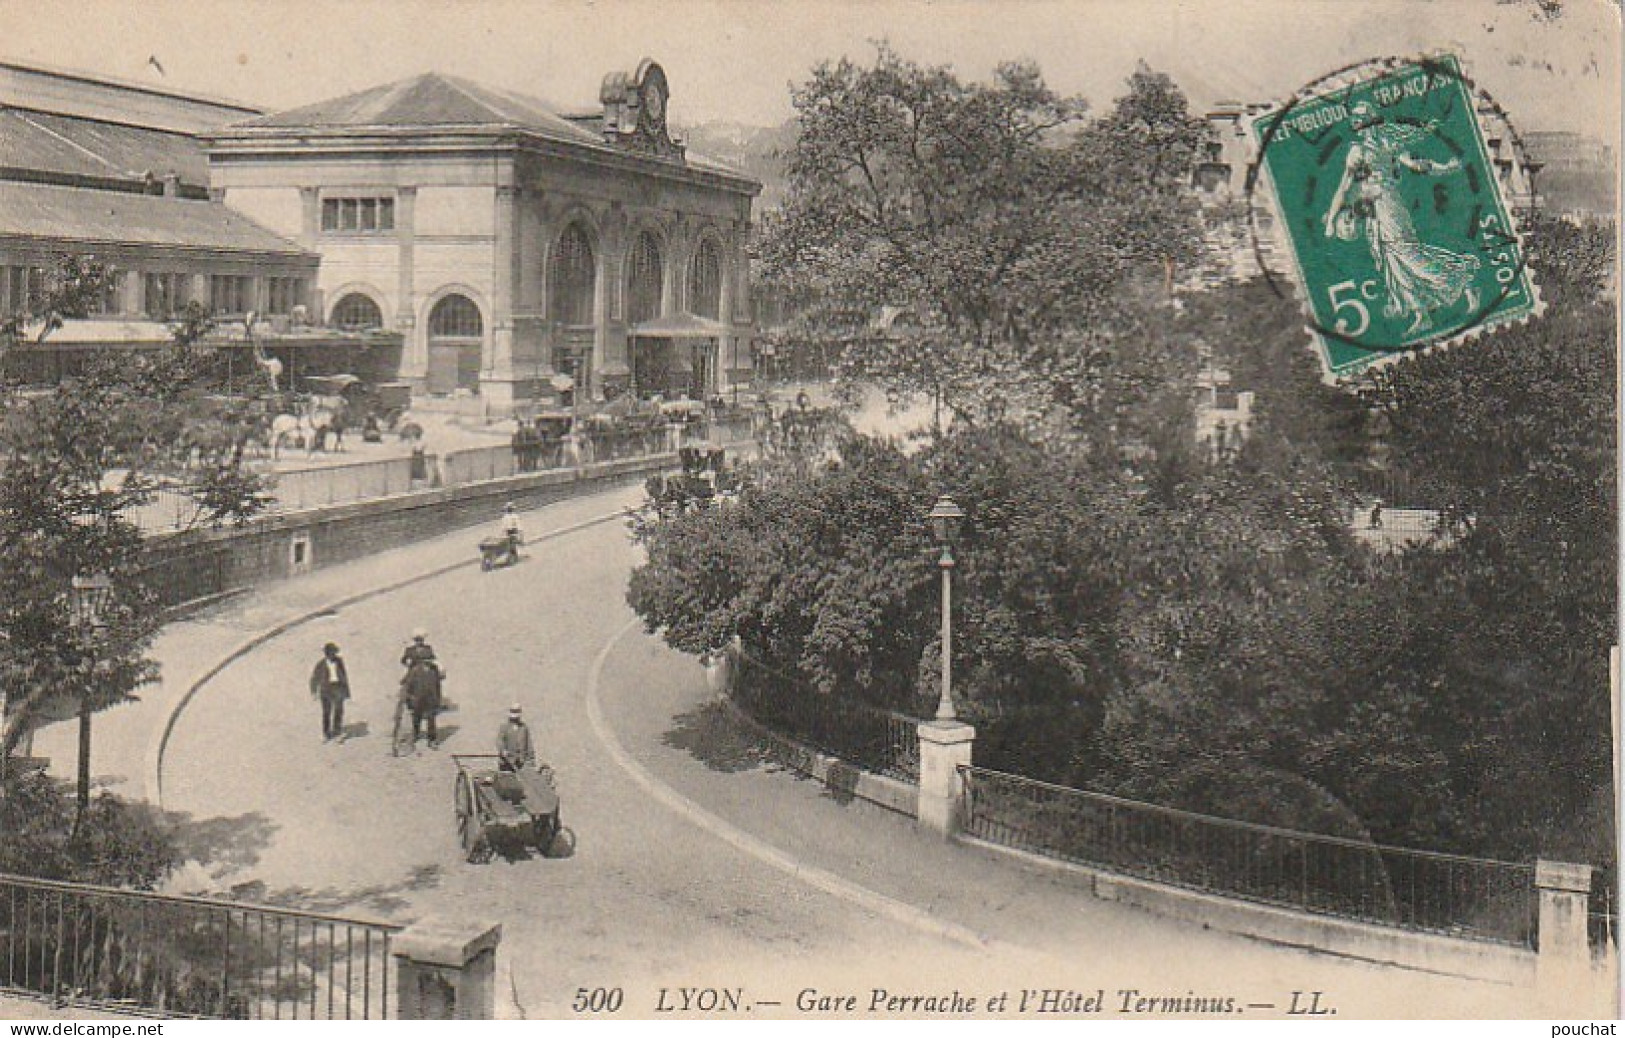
point(121, 844)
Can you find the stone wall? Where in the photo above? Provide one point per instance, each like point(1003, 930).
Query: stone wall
point(197, 564)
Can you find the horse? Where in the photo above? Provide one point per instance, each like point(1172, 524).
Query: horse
point(290, 429)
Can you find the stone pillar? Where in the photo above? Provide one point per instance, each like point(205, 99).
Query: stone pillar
point(505, 255)
point(673, 286)
point(414, 346)
point(310, 218)
point(132, 293)
point(610, 359)
point(446, 970)
point(945, 747)
point(1565, 950)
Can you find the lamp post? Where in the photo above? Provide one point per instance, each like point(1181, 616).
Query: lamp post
point(88, 597)
point(945, 518)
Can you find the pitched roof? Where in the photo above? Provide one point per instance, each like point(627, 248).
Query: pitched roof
point(73, 214)
point(437, 100)
point(431, 99)
point(74, 146)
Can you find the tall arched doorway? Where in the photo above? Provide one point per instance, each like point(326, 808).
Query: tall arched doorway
point(572, 291)
point(456, 336)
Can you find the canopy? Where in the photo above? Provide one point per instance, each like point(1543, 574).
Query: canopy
point(680, 326)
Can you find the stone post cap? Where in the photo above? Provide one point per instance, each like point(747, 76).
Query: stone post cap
point(446, 942)
point(1558, 875)
point(946, 733)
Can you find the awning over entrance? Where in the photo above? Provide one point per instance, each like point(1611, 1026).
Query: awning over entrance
point(680, 326)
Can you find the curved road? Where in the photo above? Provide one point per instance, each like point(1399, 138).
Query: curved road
point(698, 862)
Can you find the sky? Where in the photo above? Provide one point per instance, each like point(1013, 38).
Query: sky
point(734, 60)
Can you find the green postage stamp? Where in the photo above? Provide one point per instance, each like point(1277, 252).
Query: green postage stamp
point(1393, 213)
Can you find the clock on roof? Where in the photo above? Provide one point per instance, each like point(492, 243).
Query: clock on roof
point(635, 108)
point(654, 103)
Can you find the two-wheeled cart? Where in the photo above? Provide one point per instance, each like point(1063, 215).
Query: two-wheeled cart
point(506, 811)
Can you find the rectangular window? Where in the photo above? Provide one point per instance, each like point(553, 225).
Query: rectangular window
point(285, 294)
point(164, 295)
point(230, 293)
point(111, 299)
point(361, 214)
point(13, 290)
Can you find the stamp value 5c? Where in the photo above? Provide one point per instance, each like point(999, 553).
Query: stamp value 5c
point(1394, 213)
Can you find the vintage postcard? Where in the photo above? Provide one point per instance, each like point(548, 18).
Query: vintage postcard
point(1082, 510)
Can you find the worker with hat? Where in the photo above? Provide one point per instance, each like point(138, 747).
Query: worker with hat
point(515, 750)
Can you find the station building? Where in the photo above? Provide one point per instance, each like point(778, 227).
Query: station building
point(517, 250)
point(117, 173)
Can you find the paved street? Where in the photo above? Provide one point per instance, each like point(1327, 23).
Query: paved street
point(698, 862)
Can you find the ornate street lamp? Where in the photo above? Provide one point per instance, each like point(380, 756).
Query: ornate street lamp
point(945, 518)
point(88, 598)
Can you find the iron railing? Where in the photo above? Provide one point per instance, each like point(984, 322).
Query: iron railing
point(180, 578)
point(1419, 890)
point(347, 483)
point(189, 957)
point(867, 736)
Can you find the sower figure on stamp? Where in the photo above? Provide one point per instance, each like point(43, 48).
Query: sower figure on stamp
point(330, 683)
point(1418, 278)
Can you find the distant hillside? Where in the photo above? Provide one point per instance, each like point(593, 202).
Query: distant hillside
point(757, 151)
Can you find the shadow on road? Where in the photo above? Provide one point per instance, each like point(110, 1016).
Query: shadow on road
point(222, 844)
point(381, 899)
point(714, 738)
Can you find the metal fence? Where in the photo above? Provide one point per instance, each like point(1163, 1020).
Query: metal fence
point(867, 736)
point(179, 578)
point(292, 490)
point(1421, 890)
point(189, 956)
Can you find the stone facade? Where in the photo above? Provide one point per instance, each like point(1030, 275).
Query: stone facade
point(565, 233)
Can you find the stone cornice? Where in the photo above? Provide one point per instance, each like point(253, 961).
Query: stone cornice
point(240, 143)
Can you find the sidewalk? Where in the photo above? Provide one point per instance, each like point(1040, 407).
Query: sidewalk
point(125, 739)
point(669, 722)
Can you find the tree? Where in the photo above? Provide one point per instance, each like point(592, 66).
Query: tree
point(1006, 232)
point(80, 462)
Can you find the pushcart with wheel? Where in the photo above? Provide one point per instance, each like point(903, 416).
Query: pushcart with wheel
point(505, 811)
point(499, 551)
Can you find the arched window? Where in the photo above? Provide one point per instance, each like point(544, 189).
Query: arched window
point(705, 281)
point(572, 277)
point(645, 278)
point(355, 312)
point(455, 317)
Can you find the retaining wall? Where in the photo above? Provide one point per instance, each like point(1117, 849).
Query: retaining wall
point(1433, 953)
point(836, 775)
point(196, 564)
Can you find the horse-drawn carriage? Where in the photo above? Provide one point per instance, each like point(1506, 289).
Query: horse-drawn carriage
point(383, 403)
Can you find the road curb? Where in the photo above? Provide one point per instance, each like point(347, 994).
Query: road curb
point(153, 778)
point(818, 878)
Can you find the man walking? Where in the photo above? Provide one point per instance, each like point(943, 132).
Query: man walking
point(330, 683)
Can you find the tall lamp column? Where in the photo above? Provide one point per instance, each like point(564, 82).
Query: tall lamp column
point(945, 519)
point(88, 597)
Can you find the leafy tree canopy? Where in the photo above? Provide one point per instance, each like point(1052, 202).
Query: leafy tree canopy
point(979, 242)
